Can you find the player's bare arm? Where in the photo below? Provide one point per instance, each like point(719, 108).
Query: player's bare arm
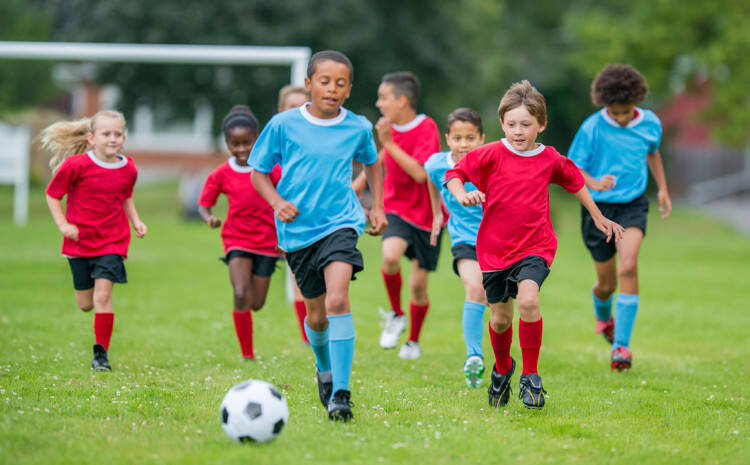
point(135, 220)
point(606, 183)
point(603, 224)
point(69, 231)
point(437, 212)
point(410, 165)
point(374, 174)
point(656, 167)
point(285, 211)
point(208, 216)
point(467, 199)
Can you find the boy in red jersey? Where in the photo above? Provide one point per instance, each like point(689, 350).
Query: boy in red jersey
point(408, 140)
point(516, 243)
point(99, 186)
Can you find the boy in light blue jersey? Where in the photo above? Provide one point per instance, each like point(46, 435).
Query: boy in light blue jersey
point(318, 216)
point(614, 148)
point(464, 134)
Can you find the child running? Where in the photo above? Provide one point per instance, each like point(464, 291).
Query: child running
point(516, 243)
point(408, 140)
point(464, 134)
point(318, 216)
point(98, 182)
point(613, 149)
point(249, 233)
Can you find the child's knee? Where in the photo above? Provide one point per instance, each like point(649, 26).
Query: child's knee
point(337, 303)
point(528, 307)
point(628, 269)
point(500, 322)
point(242, 300)
point(258, 303)
point(86, 306)
point(476, 293)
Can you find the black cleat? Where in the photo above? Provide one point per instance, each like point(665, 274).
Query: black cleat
point(499, 390)
point(531, 391)
point(325, 386)
point(100, 362)
point(340, 407)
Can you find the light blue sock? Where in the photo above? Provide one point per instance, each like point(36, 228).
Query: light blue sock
point(319, 343)
point(625, 312)
point(473, 324)
point(341, 343)
point(602, 308)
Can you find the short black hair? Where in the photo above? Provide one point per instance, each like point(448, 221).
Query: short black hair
point(467, 115)
point(406, 84)
point(618, 84)
point(240, 116)
point(332, 55)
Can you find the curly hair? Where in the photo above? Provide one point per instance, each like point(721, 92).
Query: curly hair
point(618, 84)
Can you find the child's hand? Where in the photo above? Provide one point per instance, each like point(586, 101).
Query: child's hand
point(383, 127)
point(213, 222)
point(286, 211)
point(140, 228)
point(609, 228)
point(665, 203)
point(437, 225)
point(606, 183)
point(69, 231)
point(472, 198)
point(378, 221)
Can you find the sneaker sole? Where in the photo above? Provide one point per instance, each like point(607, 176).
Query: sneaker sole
point(101, 369)
point(340, 415)
point(622, 365)
point(473, 374)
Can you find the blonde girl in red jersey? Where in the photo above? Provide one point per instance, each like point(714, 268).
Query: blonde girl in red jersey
point(249, 233)
point(98, 182)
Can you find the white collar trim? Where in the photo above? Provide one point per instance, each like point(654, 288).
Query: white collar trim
point(449, 159)
point(411, 124)
point(525, 153)
point(322, 121)
point(239, 168)
point(633, 122)
point(109, 165)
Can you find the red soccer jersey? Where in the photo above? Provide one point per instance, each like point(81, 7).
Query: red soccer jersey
point(516, 222)
point(96, 193)
point(402, 195)
point(249, 224)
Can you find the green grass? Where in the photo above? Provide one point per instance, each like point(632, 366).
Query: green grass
point(174, 355)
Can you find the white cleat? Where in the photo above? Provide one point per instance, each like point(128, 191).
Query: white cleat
point(473, 371)
point(410, 351)
point(394, 326)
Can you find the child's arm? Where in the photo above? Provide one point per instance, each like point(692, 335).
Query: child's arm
point(603, 224)
point(285, 211)
point(412, 167)
point(69, 231)
point(359, 183)
point(138, 225)
point(208, 217)
point(437, 212)
point(656, 167)
point(467, 199)
point(374, 175)
point(606, 183)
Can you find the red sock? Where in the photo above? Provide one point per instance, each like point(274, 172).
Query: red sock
point(299, 307)
point(530, 338)
point(416, 317)
point(501, 346)
point(103, 323)
point(243, 326)
point(393, 287)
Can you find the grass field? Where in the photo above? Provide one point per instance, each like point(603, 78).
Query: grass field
point(174, 355)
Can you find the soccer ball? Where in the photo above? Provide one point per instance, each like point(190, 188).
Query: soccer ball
point(254, 411)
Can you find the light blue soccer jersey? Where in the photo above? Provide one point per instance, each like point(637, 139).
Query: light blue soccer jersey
point(602, 147)
point(463, 223)
point(316, 171)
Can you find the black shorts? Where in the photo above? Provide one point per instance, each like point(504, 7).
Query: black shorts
point(628, 215)
point(502, 285)
point(418, 241)
point(460, 251)
point(87, 269)
point(308, 264)
point(263, 265)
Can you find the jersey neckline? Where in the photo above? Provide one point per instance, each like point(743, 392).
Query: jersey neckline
point(633, 122)
point(525, 153)
point(411, 124)
point(237, 167)
point(108, 165)
point(322, 121)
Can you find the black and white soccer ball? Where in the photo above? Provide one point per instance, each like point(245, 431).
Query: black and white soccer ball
point(254, 411)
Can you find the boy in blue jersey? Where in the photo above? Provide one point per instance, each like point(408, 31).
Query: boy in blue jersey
point(614, 147)
point(464, 134)
point(318, 216)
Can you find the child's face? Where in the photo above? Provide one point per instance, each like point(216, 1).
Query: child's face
point(328, 87)
point(240, 141)
point(520, 128)
point(108, 136)
point(387, 103)
point(293, 100)
point(622, 113)
point(462, 138)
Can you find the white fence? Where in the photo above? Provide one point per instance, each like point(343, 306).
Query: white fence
point(14, 167)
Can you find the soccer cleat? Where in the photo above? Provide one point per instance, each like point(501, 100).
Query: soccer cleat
point(410, 351)
point(606, 329)
point(531, 391)
point(473, 370)
point(621, 359)
point(100, 362)
point(499, 390)
point(340, 407)
point(325, 386)
point(394, 326)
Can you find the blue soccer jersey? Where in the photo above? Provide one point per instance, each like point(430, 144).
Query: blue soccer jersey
point(316, 171)
point(602, 147)
point(463, 224)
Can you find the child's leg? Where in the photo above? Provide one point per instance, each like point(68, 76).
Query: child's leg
point(420, 303)
point(474, 304)
point(628, 299)
point(529, 324)
point(299, 308)
point(258, 291)
point(393, 249)
point(337, 276)
point(240, 270)
point(316, 328)
point(85, 299)
point(103, 316)
point(605, 286)
point(501, 334)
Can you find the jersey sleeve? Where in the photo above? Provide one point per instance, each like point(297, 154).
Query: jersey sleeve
point(366, 152)
point(428, 144)
point(266, 152)
point(275, 175)
point(567, 174)
point(467, 169)
point(433, 171)
point(211, 190)
point(581, 148)
point(63, 180)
